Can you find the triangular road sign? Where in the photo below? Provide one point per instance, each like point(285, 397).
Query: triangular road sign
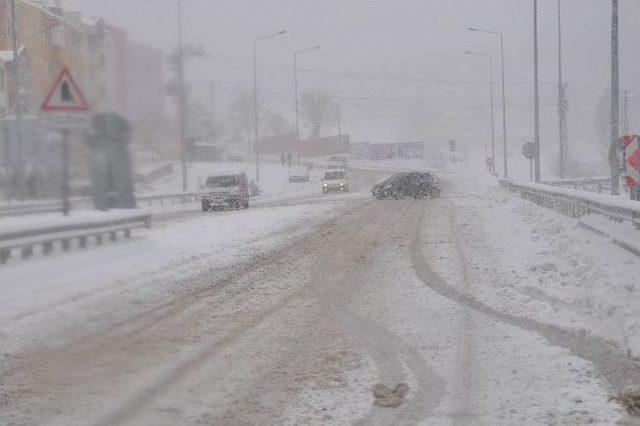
point(65, 95)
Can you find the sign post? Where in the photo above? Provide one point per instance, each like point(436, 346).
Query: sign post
point(65, 172)
point(529, 151)
point(452, 149)
point(63, 98)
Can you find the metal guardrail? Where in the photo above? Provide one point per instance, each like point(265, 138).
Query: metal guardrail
point(576, 203)
point(62, 236)
point(167, 199)
point(592, 184)
point(54, 206)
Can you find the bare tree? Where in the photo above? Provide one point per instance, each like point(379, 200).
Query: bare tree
point(318, 110)
point(242, 116)
point(277, 125)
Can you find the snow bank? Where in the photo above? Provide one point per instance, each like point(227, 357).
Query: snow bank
point(550, 267)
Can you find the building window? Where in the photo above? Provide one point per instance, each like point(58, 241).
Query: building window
point(57, 35)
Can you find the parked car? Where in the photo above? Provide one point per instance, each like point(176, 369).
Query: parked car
point(335, 181)
point(225, 190)
point(298, 174)
point(408, 184)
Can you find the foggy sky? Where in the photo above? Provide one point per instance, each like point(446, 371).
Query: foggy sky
point(408, 39)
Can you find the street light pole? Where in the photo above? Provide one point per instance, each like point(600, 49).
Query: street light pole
point(182, 116)
point(504, 102)
point(615, 98)
point(17, 100)
point(562, 106)
point(295, 74)
point(255, 98)
point(493, 132)
point(536, 91)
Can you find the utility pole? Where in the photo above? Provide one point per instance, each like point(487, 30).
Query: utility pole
point(493, 130)
point(295, 83)
point(562, 106)
point(255, 112)
point(182, 116)
point(17, 100)
point(255, 98)
point(536, 91)
point(626, 112)
point(504, 110)
point(212, 106)
point(615, 99)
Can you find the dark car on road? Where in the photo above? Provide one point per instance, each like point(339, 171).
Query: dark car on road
point(408, 184)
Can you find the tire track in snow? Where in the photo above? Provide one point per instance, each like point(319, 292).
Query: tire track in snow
point(618, 370)
point(390, 353)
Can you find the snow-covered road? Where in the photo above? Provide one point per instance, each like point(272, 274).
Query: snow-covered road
point(292, 313)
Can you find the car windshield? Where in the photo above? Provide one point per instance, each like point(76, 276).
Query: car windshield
point(333, 175)
point(222, 181)
point(320, 212)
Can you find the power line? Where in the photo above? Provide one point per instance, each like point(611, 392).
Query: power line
point(395, 79)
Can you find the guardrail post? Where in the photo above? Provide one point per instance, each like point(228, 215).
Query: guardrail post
point(98, 239)
point(127, 233)
point(65, 245)
point(83, 241)
point(113, 236)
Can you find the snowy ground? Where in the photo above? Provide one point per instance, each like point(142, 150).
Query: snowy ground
point(547, 265)
point(491, 310)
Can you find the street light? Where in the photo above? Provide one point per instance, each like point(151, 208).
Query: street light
point(536, 90)
point(615, 96)
point(493, 132)
point(295, 73)
point(17, 93)
point(504, 105)
point(182, 116)
point(255, 97)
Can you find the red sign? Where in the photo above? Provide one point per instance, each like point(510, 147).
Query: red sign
point(632, 151)
point(65, 95)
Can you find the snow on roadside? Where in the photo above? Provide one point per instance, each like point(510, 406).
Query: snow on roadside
point(149, 263)
point(478, 370)
point(534, 262)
